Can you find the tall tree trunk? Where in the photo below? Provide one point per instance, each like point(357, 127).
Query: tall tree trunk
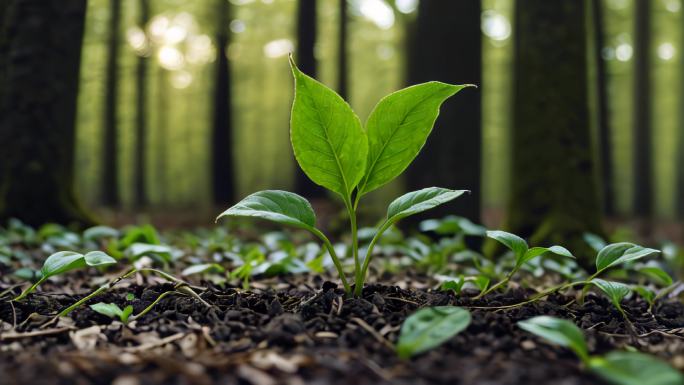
point(448, 48)
point(603, 121)
point(642, 166)
point(342, 60)
point(554, 196)
point(306, 60)
point(222, 154)
point(110, 169)
point(679, 169)
point(40, 43)
point(162, 144)
point(140, 197)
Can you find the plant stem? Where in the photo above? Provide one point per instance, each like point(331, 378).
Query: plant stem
point(335, 259)
point(360, 278)
point(150, 306)
point(355, 242)
point(536, 297)
point(29, 290)
point(83, 300)
point(494, 287)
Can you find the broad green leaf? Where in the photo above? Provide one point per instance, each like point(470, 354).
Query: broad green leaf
point(202, 268)
point(617, 253)
point(633, 368)
point(111, 310)
point(418, 201)
point(657, 274)
point(616, 291)
point(98, 258)
point(430, 327)
point(558, 331)
point(537, 251)
point(328, 140)
point(61, 262)
point(398, 127)
point(511, 241)
point(277, 206)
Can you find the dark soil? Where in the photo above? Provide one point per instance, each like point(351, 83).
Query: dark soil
point(296, 335)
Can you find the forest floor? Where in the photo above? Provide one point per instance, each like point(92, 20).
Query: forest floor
point(299, 329)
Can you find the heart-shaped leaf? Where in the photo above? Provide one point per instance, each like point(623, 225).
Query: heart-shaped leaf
point(398, 127)
point(430, 327)
point(657, 274)
point(558, 331)
point(61, 262)
point(616, 291)
point(633, 368)
point(617, 253)
point(511, 241)
point(537, 251)
point(418, 201)
point(277, 206)
point(328, 140)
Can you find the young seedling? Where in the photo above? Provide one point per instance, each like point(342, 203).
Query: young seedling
point(336, 152)
point(112, 310)
point(615, 291)
point(522, 252)
point(430, 327)
point(617, 367)
point(64, 261)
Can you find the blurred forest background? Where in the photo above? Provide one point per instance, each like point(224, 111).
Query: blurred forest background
point(183, 105)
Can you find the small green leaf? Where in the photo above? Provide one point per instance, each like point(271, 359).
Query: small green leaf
point(398, 127)
point(511, 241)
point(99, 232)
point(595, 241)
point(633, 368)
point(616, 291)
point(452, 224)
point(430, 327)
point(138, 250)
point(558, 331)
point(537, 251)
point(481, 282)
point(125, 313)
point(455, 286)
point(617, 253)
point(202, 268)
point(98, 258)
point(130, 296)
point(61, 262)
point(327, 138)
point(647, 294)
point(277, 206)
point(657, 274)
point(418, 201)
point(111, 310)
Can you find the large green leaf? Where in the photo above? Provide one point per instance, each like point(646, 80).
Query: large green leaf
point(328, 140)
point(632, 368)
point(98, 258)
point(430, 327)
point(418, 201)
point(617, 253)
point(537, 251)
point(61, 262)
point(277, 206)
point(558, 331)
point(516, 244)
point(398, 127)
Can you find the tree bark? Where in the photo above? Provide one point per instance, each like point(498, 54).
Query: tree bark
point(679, 168)
point(447, 48)
point(603, 120)
point(222, 154)
point(306, 60)
point(140, 197)
point(554, 197)
point(110, 156)
point(39, 74)
point(642, 166)
point(342, 60)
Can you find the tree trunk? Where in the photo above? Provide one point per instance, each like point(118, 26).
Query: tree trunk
point(448, 48)
point(642, 166)
point(342, 60)
point(603, 121)
point(140, 197)
point(679, 169)
point(110, 169)
point(554, 197)
point(39, 70)
point(306, 60)
point(222, 154)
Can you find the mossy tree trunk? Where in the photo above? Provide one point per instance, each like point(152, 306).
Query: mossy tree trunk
point(342, 60)
point(222, 154)
point(448, 48)
point(554, 197)
point(110, 156)
point(306, 60)
point(39, 74)
point(140, 196)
